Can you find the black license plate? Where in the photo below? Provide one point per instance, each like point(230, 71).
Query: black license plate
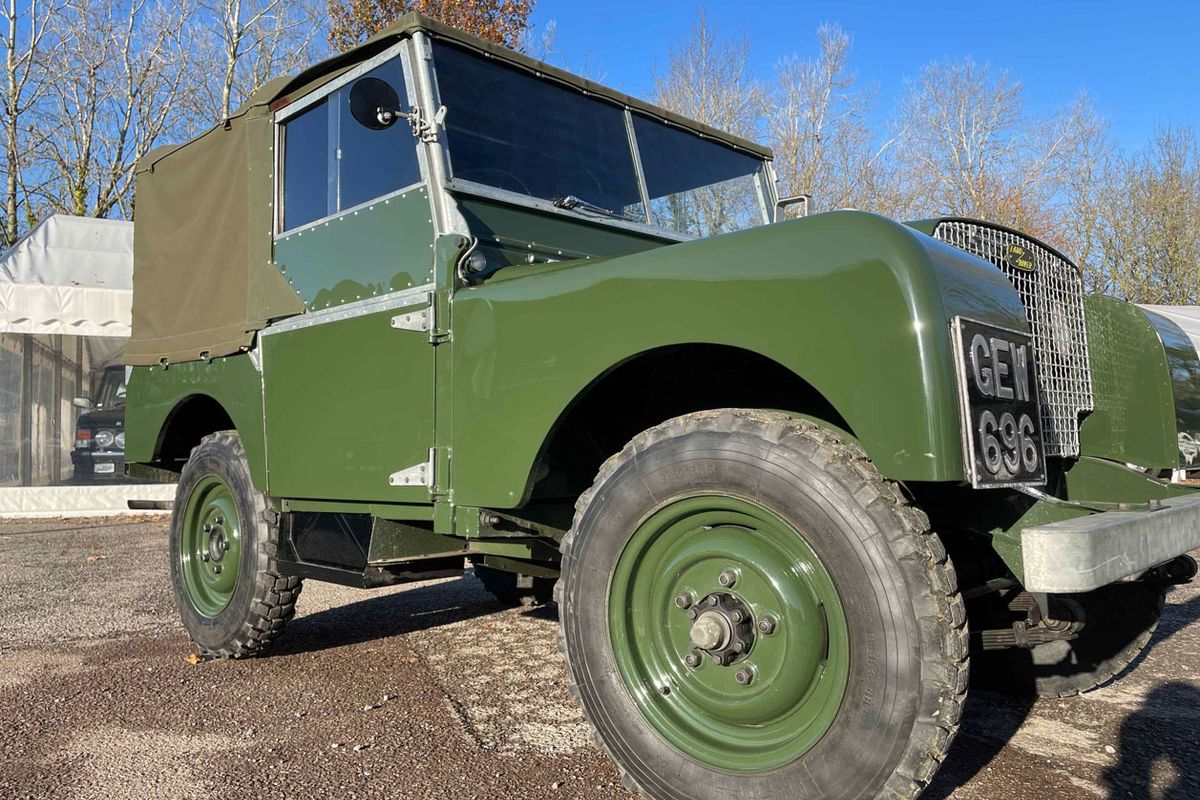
point(1002, 419)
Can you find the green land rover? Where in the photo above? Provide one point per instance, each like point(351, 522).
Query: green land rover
point(431, 303)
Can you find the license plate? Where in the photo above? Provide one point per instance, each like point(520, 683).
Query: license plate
point(1001, 410)
point(104, 469)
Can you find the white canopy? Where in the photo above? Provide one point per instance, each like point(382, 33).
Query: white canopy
point(1186, 317)
point(69, 275)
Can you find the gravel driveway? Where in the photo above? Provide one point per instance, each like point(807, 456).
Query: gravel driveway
point(432, 691)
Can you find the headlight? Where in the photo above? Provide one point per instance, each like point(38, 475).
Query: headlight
point(104, 439)
point(121, 440)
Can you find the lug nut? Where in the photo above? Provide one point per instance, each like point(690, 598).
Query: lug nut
point(719, 660)
point(217, 569)
point(206, 528)
point(766, 626)
point(692, 613)
point(664, 690)
point(204, 556)
point(684, 601)
point(712, 600)
point(727, 578)
point(744, 677)
point(219, 520)
point(736, 616)
point(692, 660)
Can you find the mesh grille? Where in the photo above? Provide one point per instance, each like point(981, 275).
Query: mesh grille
point(1053, 296)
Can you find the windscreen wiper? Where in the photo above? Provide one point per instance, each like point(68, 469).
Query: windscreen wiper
point(573, 203)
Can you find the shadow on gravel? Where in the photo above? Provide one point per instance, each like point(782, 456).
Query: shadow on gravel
point(384, 616)
point(1164, 732)
point(989, 721)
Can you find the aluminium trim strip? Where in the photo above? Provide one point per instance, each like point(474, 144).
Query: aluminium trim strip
point(359, 308)
point(293, 108)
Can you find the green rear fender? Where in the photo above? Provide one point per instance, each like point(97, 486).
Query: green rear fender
point(196, 393)
point(852, 303)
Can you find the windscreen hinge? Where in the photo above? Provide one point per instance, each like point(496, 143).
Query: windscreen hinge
point(426, 129)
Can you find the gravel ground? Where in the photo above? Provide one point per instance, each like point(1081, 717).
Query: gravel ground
point(432, 691)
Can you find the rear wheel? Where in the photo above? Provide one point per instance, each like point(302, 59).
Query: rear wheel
point(749, 609)
point(231, 597)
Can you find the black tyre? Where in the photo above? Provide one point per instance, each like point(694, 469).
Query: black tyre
point(231, 597)
point(749, 609)
point(1120, 621)
point(512, 589)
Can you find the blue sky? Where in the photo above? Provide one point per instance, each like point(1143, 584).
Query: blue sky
point(1140, 62)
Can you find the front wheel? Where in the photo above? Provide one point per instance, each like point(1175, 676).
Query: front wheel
point(750, 610)
point(231, 596)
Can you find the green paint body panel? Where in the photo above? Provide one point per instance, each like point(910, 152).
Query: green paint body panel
point(349, 403)
point(856, 305)
point(1184, 365)
point(1134, 417)
point(154, 393)
point(381, 248)
point(509, 235)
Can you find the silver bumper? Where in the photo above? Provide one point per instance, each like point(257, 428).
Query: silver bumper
point(1085, 553)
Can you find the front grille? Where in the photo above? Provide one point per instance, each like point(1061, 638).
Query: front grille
point(1052, 290)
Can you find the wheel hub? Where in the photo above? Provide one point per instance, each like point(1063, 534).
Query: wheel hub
point(728, 630)
point(722, 628)
point(210, 545)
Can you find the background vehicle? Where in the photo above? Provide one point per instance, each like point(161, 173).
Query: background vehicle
point(99, 453)
point(461, 305)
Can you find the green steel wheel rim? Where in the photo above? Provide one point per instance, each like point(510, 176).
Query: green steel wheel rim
point(210, 551)
point(798, 657)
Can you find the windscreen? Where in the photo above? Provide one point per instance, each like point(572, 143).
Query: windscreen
point(508, 129)
point(697, 186)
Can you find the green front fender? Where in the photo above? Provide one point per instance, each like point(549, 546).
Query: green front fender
point(856, 305)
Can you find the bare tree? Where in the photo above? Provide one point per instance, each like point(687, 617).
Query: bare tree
point(708, 79)
point(26, 43)
point(970, 149)
point(1084, 178)
point(1151, 238)
point(817, 123)
point(252, 41)
point(115, 89)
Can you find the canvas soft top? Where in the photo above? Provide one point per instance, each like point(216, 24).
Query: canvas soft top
point(204, 281)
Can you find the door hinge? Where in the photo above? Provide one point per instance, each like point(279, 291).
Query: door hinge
point(416, 475)
point(420, 321)
point(425, 320)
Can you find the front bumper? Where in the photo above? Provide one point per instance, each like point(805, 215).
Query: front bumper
point(1085, 553)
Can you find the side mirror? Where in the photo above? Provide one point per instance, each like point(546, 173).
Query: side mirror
point(374, 104)
point(82, 402)
point(802, 200)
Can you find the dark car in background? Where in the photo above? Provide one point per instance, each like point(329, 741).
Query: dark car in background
point(99, 452)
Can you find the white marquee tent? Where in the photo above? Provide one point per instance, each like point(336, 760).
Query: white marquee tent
point(66, 291)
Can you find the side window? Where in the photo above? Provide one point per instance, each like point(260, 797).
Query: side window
point(306, 184)
point(374, 162)
point(331, 162)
